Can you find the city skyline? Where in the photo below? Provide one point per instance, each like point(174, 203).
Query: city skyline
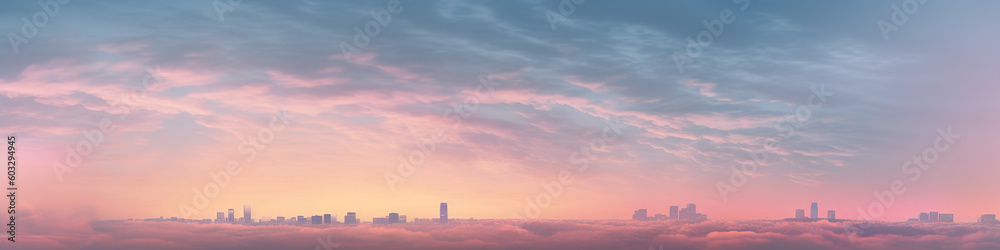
point(689, 212)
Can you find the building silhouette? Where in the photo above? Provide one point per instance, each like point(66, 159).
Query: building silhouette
point(444, 213)
point(231, 219)
point(350, 218)
point(673, 213)
point(316, 219)
point(933, 217)
point(946, 217)
point(639, 214)
point(220, 217)
point(246, 214)
point(327, 219)
point(393, 217)
point(988, 219)
point(831, 215)
point(688, 212)
point(800, 213)
point(925, 217)
point(814, 211)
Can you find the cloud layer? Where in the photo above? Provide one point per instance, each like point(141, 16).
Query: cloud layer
point(508, 234)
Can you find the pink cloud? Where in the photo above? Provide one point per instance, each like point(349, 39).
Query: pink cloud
point(41, 232)
point(297, 82)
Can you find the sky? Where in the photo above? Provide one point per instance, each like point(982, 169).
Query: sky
point(502, 109)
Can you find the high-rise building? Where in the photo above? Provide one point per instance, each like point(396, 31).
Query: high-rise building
point(281, 219)
point(393, 217)
point(300, 219)
point(831, 215)
point(639, 214)
point(800, 213)
point(689, 213)
point(946, 217)
point(316, 219)
point(925, 217)
point(231, 218)
point(814, 211)
point(444, 213)
point(220, 216)
point(350, 218)
point(673, 213)
point(933, 217)
point(246, 214)
point(402, 219)
point(327, 219)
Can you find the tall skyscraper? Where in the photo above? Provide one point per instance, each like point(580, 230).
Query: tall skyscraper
point(800, 213)
point(925, 217)
point(933, 217)
point(673, 213)
point(327, 219)
point(281, 219)
point(814, 211)
point(246, 214)
point(300, 219)
point(350, 218)
point(316, 219)
point(231, 219)
point(444, 213)
point(393, 217)
point(831, 215)
point(220, 217)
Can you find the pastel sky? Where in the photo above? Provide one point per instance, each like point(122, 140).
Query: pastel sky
point(555, 88)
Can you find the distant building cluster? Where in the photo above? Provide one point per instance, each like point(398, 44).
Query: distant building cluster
point(688, 213)
point(934, 217)
point(326, 219)
point(800, 214)
point(391, 219)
